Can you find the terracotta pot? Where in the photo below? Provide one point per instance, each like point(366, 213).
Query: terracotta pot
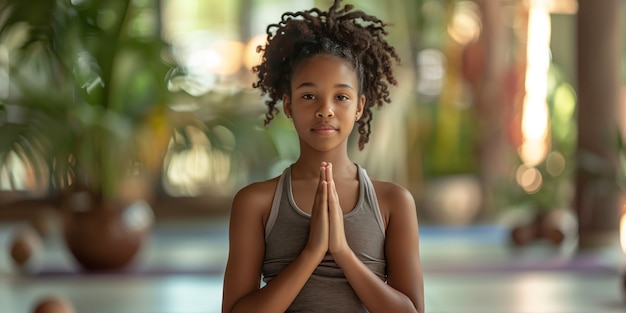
point(105, 236)
point(522, 235)
point(556, 226)
point(559, 225)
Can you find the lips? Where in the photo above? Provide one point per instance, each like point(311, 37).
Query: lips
point(324, 129)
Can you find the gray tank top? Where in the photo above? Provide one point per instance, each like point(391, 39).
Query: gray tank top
point(286, 234)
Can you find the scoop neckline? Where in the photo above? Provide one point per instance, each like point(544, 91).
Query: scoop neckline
point(353, 211)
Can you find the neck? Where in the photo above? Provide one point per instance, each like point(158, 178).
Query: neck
point(309, 166)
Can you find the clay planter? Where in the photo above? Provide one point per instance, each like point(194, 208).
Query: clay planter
point(556, 226)
point(524, 234)
point(105, 236)
point(559, 225)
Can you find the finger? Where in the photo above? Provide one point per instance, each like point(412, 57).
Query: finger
point(325, 192)
point(329, 171)
point(331, 180)
point(322, 195)
point(322, 188)
point(333, 197)
point(323, 176)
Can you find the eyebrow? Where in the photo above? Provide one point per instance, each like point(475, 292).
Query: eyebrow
point(308, 84)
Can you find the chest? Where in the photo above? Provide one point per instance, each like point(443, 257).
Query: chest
point(304, 192)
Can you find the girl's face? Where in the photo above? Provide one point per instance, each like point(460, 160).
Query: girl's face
point(324, 102)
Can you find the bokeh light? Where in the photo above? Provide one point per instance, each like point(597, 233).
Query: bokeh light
point(529, 178)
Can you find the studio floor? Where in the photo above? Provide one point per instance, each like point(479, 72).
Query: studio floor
point(180, 270)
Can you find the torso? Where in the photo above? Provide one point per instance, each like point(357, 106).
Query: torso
point(286, 231)
point(304, 195)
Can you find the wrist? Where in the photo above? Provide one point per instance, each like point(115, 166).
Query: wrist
point(314, 253)
point(342, 256)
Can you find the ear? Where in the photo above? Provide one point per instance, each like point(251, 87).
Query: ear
point(360, 107)
point(287, 105)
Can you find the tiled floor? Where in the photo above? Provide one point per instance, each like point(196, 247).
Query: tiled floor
point(466, 270)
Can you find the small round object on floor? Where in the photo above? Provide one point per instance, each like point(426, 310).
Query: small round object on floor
point(25, 246)
point(45, 221)
point(523, 235)
point(54, 304)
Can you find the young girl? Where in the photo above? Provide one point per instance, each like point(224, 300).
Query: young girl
point(324, 237)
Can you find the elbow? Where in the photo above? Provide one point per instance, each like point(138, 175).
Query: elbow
point(418, 306)
point(413, 305)
point(405, 304)
point(229, 307)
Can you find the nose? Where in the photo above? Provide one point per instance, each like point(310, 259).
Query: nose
point(324, 111)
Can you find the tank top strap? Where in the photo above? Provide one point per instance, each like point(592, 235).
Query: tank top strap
point(370, 197)
point(276, 203)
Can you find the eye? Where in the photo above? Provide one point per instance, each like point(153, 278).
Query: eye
point(308, 96)
point(342, 98)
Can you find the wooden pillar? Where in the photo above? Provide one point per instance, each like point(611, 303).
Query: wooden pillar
point(598, 197)
point(490, 102)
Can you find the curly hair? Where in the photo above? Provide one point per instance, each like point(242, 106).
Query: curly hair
point(351, 35)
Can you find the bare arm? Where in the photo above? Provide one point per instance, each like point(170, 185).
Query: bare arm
point(242, 292)
point(403, 291)
point(404, 268)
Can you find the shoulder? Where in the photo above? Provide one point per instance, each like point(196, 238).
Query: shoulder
point(255, 198)
point(389, 193)
point(257, 190)
point(393, 199)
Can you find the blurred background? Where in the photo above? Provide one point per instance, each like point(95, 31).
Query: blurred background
point(133, 123)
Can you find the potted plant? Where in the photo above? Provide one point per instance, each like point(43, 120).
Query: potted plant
point(84, 107)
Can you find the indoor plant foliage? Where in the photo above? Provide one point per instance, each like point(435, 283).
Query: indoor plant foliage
point(85, 85)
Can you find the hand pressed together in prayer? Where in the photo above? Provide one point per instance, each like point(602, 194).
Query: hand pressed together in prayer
point(326, 232)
